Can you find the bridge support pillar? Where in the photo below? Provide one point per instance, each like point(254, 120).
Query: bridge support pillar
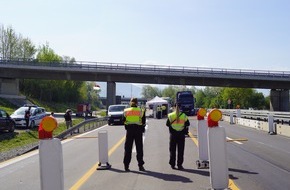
point(279, 100)
point(111, 93)
point(9, 87)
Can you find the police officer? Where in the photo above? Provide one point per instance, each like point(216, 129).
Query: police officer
point(68, 119)
point(134, 121)
point(178, 124)
point(159, 112)
point(27, 116)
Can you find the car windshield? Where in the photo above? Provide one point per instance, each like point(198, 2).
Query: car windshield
point(21, 111)
point(116, 108)
point(186, 98)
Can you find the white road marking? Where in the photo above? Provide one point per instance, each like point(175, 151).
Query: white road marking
point(234, 141)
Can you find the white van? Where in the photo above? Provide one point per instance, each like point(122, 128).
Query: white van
point(116, 113)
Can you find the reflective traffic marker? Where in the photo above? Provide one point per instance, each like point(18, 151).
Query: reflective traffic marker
point(103, 151)
point(271, 124)
point(49, 123)
point(201, 113)
point(219, 176)
point(46, 127)
point(202, 140)
point(231, 118)
point(51, 164)
point(238, 113)
point(213, 118)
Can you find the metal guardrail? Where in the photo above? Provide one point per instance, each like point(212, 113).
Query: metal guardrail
point(87, 124)
point(85, 65)
point(279, 117)
point(83, 126)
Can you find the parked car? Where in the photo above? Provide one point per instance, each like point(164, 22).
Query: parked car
point(36, 115)
point(6, 122)
point(116, 114)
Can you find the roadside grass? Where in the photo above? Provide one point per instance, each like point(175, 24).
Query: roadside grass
point(54, 107)
point(7, 106)
point(10, 141)
point(103, 113)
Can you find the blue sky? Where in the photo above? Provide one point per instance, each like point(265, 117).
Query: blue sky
point(243, 34)
point(240, 34)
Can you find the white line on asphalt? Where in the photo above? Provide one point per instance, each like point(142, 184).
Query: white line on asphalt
point(234, 141)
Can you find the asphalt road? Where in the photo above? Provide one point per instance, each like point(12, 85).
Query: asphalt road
point(262, 162)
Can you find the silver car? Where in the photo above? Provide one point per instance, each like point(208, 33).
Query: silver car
point(36, 115)
point(116, 113)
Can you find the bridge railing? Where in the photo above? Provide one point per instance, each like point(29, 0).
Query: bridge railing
point(103, 66)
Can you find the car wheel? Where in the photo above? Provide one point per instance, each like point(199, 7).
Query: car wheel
point(12, 127)
point(32, 124)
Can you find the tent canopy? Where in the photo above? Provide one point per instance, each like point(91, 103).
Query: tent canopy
point(157, 100)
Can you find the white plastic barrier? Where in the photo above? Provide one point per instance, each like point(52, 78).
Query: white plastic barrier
point(202, 140)
point(231, 118)
point(219, 176)
point(51, 164)
point(103, 150)
point(271, 124)
point(238, 113)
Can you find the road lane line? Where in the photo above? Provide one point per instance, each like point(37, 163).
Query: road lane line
point(93, 169)
point(232, 140)
point(232, 185)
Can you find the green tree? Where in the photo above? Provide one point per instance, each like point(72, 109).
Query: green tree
point(26, 49)
point(239, 96)
point(150, 92)
point(8, 44)
point(218, 97)
point(54, 90)
point(93, 95)
point(45, 53)
point(267, 103)
point(13, 45)
point(212, 97)
point(200, 99)
point(257, 101)
point(170, 92)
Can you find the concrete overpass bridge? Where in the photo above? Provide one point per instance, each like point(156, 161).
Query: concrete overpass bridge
point(13, 70)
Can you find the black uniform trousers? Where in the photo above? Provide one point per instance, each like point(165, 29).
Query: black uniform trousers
point(177, 140)
point(134, 133)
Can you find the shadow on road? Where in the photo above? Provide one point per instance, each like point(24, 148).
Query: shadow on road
point(163, 176)
point(231, 176)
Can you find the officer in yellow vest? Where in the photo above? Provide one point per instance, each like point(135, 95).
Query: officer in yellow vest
point(134, 120)
point(164, 110)
point(159, 112)
point(178, 125)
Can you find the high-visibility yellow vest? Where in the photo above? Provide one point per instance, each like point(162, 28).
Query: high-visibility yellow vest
point(178, 126)
point(133, 115)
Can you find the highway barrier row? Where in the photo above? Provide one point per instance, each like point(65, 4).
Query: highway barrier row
point(281, 128)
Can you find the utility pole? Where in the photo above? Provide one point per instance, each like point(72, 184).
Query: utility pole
point(131, 91)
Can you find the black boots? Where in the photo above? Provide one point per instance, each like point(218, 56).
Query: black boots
point(127, 168)
point(141, 168)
